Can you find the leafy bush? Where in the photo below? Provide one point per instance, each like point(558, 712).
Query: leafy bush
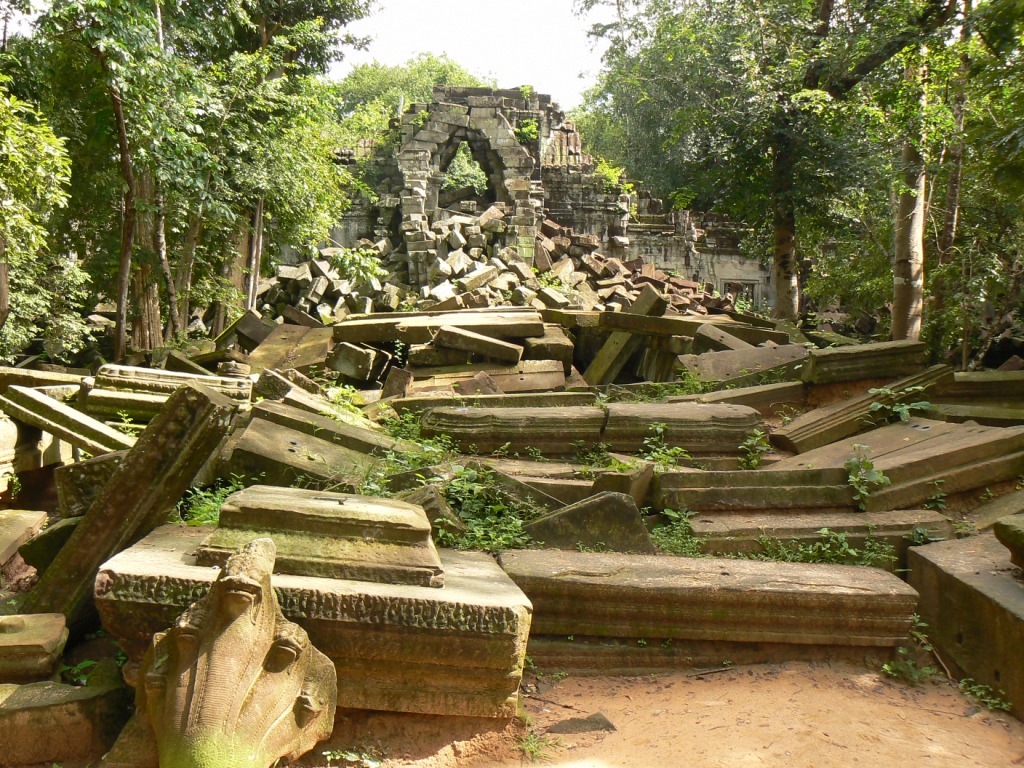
point(201, 506)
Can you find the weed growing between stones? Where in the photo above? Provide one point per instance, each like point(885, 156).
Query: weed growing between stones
point(664, 456)
point(536, 746)
point(893, 406)
point(752, 449)
point(201, 506)
point(862, 476)
point(494, 521)
point(833, 547)
point(905, 666)
point(595, 457)
point(937, 501)
point(677, 538)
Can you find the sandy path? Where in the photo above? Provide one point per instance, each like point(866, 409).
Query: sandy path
point(794, 715)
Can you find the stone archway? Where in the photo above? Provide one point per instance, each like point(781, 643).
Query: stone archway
point(431, 136)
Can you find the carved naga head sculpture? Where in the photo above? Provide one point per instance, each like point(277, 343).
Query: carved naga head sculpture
point(234, 684)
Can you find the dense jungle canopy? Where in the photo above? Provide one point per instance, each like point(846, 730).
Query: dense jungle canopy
point(150, 150)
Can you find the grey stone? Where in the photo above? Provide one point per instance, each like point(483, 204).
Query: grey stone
point(608, 521)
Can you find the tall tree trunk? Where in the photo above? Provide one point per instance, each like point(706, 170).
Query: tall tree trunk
point(128, 214)
point(160, 247)
point(255, 257)
point(186, 265)
point(5, 285)
point(908, 261)
point(785, 270)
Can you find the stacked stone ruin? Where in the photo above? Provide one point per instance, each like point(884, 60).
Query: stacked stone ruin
point(328, 558)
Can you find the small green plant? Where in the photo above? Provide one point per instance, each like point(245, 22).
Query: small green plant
point(126, 424)
point(359, 265)
point(78, 674)
point(984, 695)
point(657, 450)
point(905, 666)
point(832, 547)
point(862, 476)
point(752, 449)
point(527, 92)
point(937, 501)
point(987, 495)
point(201, 506)
point(536, 746)
point(13, 485)
point(893, 404)
point(527, 131)
point(677, 538)
point(964, 528)
point(535, 454)
point(494, 521)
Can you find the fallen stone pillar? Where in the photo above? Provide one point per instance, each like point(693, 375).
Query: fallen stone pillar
point(75, 428)
point(138, 497)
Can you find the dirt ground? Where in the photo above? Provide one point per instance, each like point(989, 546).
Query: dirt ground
point(793, 715)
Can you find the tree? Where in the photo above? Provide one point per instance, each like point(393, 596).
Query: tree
point(38, 289)
point(736, 101)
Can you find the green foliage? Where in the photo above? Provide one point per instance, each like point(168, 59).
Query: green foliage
point(753, 449)
point(906, 665)
point(657, 450)
point(77, 674)
point(832, 547)
point(493, 519)
point(984, 695)
point(536, 747)
point(358, 264)
point(893, 405)
point(465, 171)
point(862, 476)
point(611, 177)
point(677, 538)
point(201, 506)
point(527, 131)
point(46, 286)
point(937, 501)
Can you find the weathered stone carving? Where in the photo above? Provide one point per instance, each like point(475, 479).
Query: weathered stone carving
point(234, 683)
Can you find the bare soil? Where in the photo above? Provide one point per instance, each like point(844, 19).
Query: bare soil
point(793, 715)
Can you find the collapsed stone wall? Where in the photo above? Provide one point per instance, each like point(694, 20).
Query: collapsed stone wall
point(532, 178)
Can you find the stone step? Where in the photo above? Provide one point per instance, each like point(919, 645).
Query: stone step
point(332, 535)
point(806, 488)
point(740, 533)
point(917, 453)
point(825, 425)
point(452, 651)
point(651, 600)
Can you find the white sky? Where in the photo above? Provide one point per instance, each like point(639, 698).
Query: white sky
point(516, 42)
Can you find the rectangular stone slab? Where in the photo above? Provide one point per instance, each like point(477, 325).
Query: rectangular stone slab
point(550, 430)
point(452, 651)
point(973, 602)
point(74, 427)
point(78, 483)
point(272, 454)
point(418, 328)
point(138, 497)
point(848, 417)
point(883, 360)
point(16, 527)
point(744, 490)
point(700, 429)
point(730, 601)
point(30, 646)
point(453, 337)
point(334, 535)
point(325, 428)
point(152, 381)
point(740, 532)
point(747, 367)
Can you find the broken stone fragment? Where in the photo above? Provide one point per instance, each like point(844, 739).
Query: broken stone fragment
point(30, 646)
point(606, 521)
point(1010, 532)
